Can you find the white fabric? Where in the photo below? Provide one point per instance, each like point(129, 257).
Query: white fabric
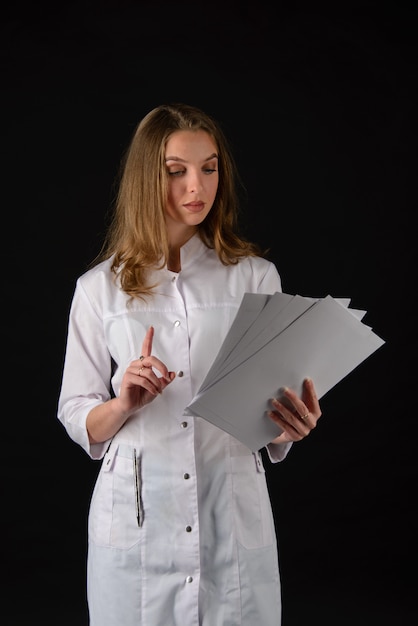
point(223, 570)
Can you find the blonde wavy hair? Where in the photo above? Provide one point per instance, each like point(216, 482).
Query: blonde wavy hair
point(137, 236)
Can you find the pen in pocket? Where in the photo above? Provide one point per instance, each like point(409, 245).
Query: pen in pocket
point(137, 488)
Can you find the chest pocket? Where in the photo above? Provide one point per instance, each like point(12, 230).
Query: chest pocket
point(253, 517)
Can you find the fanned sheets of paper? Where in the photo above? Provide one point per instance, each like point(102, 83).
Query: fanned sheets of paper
point(276, 341)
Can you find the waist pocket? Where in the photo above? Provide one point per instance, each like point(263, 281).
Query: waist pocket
point(253, 517)
point(116, 511)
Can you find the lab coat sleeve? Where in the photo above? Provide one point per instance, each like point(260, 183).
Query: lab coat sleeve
point(86, 371)
point(278, 451)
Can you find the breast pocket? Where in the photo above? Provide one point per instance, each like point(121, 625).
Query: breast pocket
point(253, 516)
point(115, 511)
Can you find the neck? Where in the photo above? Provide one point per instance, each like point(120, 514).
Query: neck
point(177, 239)
point(173, 263)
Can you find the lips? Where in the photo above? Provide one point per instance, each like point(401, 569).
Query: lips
point(194, 207)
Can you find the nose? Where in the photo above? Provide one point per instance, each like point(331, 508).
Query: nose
point(194, 182)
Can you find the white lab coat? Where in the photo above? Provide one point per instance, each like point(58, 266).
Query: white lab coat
point(204, 552)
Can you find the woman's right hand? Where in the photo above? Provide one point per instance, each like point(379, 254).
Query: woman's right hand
point(140, 384)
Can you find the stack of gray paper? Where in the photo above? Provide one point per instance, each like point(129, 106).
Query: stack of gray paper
point(275, 341)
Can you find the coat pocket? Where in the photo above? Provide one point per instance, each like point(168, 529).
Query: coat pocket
point(253, 516)
point(115, 517)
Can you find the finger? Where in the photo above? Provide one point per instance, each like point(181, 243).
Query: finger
point(295, 406)
point(146, 349)
point(151, 363)
point(134, 378)
point(293, 429)
point(310, 397)
point(156, 386)
point(298, 417)
point(145, 367)
point(150, 381)
point(166, 381)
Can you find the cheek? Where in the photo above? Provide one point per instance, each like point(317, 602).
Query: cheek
point(213, 188)
point(172, 195)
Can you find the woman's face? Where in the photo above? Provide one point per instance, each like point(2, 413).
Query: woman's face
point(191, 159)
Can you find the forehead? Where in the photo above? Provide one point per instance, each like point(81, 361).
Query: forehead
point(190, 144)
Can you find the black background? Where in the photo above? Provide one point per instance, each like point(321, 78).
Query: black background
point(318, 104)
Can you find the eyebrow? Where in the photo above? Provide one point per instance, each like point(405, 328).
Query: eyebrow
point(176, 158)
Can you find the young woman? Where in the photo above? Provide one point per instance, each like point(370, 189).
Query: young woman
point(181, 530)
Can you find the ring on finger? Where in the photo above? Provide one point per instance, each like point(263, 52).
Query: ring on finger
point(304, 417)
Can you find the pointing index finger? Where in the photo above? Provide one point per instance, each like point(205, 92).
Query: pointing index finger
point(147, 343)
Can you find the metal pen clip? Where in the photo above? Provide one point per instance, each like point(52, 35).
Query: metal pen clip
point(137, 488)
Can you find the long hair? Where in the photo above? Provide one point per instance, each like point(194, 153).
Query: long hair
point(137, 236)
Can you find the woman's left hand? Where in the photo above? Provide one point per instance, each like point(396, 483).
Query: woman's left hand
point(296, 416)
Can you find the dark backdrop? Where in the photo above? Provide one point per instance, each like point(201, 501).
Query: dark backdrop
point(318, 104)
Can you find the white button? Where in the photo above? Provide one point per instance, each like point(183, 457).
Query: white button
point(180, 373)
point(177, 323)
point(189, 579)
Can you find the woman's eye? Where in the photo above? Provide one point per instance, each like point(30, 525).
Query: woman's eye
point(205, 170)
point(176, 173)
